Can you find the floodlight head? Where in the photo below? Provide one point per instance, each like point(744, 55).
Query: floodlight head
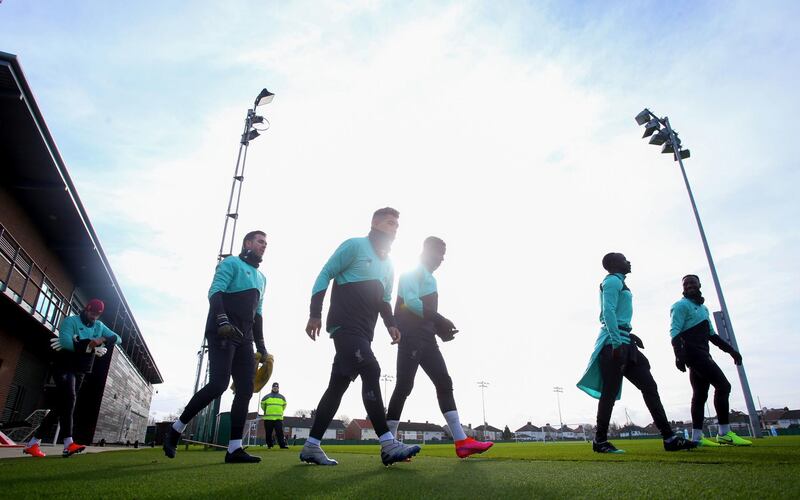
point(257, 119)
point(684, 153)
point(249, 136)
point(667, 148)
point(651, 128)
point(643, 117)
point(265, 97)
point(659, 138)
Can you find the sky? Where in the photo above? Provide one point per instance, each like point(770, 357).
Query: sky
point(505, 128)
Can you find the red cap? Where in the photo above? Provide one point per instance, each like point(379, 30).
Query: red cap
point(96, 306)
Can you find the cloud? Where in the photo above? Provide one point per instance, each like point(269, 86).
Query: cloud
point(508, 132)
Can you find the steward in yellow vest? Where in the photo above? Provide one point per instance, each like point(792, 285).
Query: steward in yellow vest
point(273, 405)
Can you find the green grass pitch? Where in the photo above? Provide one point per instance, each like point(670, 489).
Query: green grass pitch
point(769, 469)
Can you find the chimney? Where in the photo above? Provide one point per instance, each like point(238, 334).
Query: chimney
point(529, 423)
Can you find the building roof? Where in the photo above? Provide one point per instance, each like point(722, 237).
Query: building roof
point(419, 426)
point(489, 428)
point(790, 415)
point(529, 427)
point(306, 422)
point(36, 175)
point(564, 428)
point(362, 423)
point(772, 414)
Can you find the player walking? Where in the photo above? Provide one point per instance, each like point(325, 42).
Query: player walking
point(362, 289)
point(616, 355)
point(234, 322)
point(691, 331)
point(418, 318)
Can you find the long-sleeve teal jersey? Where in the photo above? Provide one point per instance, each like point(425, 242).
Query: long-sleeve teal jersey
point(362, 284)
point(616, 312)
point(685, 314)
point(241, 288)
point(417, 303)
point(72, 327)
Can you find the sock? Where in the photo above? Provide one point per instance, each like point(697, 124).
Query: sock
point(393, 425)
point(234, 444)
point(67, 441)
point(179, 426)
point(724, 429)
point(454, 423)
point(33, 442)
point(386, 438)
point(697, 434)
point(313, 442)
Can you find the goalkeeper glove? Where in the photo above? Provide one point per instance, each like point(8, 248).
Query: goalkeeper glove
point(55, 344)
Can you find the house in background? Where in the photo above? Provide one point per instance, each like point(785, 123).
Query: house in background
point(529, 432)
point(420, 431)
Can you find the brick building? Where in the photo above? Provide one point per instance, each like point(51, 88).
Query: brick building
point(51, 264)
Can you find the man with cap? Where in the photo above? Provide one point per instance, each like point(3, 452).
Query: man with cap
point(273, 405)
point(234, 323)
point(80, 339)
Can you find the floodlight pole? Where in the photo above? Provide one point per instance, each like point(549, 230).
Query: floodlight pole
point(483, 385)
point(748, 397)
point(231, 214)
point(386, 378)
point(559, 390)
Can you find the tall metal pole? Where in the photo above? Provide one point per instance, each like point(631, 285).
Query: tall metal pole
point(386, 378)
point(559, 390)
point(748, 397)
point(483, 385)
point(232, 213)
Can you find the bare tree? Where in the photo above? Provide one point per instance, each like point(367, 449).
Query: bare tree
point(345, 419)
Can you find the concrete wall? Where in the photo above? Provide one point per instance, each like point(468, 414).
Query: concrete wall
point(125, 406)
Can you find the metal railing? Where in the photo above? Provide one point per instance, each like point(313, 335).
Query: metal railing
point(25, 282)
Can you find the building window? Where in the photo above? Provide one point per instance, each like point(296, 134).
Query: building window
point(49, 303)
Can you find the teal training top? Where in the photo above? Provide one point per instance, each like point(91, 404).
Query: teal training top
point(686, 314)
point(362, 288)
point(72, 327)
point(235, 275)
point(616, 310)
point(355, 261)
point(413, 286)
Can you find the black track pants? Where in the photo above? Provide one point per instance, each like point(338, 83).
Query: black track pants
point(354, 358)
point(68, 384)
point(704, 372)
point(277, 427)
point(411, 355)
point(226, 359)
point(637, 370)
